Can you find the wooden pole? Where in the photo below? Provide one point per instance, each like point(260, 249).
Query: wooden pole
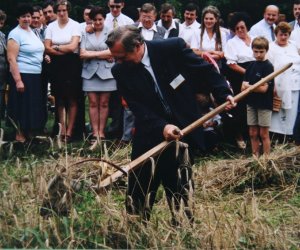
point(157, 149)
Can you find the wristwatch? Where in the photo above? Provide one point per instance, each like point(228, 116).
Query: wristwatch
point(56, 47)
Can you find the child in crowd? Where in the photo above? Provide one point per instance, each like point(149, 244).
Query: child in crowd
point(260, 102)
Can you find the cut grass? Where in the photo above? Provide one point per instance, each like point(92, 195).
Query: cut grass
point(253, 218)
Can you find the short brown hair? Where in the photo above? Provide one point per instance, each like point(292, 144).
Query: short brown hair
point(147, 8)
point(284, 27)
point(260, 42)
point(62, 2)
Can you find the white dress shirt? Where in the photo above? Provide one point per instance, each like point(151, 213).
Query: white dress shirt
point(262, 28)
point(148, 33)
point(295, 35)
point(187, 31)
point(208, 44)
point(121, 20)
point(148, 67)
point(237, 51)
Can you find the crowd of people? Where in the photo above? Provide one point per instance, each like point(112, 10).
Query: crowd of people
point(153, 77)
point(48, 48)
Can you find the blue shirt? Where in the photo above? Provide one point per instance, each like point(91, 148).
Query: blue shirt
point(31, 50)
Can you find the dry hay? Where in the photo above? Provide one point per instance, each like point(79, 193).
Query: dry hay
point(281, 168)
point(74, 175)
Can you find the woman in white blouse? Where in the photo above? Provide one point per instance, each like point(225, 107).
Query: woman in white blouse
point(287, 84)
point(62, 44)
point(209, 38)
point(238, 54)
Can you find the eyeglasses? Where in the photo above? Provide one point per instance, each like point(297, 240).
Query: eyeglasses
point(115, 6)
point(64, 10)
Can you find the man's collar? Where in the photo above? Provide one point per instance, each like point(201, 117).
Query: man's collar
point(173, 25)
point(193, 25)
point(117, 17)
point(154, 28)
point(146, 59)
point(268, 25)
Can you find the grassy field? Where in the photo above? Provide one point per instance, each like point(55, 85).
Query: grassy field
point(239, 202)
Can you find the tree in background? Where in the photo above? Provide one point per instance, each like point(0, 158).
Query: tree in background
point(254, 8)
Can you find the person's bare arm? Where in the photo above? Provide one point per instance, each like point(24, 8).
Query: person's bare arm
point(12, 54)
point(49, 48)
point(237, 68)
point(70, 47)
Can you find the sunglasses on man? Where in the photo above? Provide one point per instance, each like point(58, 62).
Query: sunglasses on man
point(115, 6)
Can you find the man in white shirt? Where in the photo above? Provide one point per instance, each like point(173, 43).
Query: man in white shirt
point(295, 25)
point(190, 23)
point(116, 18)
point(167, 14)
point(147, 26)
point(266, 26)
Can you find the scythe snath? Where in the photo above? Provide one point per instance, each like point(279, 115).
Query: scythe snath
point(160, 147)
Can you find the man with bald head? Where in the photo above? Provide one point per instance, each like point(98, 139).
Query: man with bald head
point(266, 26)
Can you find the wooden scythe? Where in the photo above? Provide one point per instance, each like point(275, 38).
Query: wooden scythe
point(157, 149)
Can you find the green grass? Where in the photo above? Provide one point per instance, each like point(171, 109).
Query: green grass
point(267, 217)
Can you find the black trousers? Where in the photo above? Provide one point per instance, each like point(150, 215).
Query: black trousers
point(173, 173)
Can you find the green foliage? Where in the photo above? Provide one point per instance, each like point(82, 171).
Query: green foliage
point(255, 8)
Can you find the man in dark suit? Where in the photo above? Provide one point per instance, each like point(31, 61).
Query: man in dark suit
point(158, 81)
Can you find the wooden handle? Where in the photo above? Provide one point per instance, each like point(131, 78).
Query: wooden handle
point(157, 149)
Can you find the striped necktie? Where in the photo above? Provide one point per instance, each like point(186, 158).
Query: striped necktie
point(115, 23)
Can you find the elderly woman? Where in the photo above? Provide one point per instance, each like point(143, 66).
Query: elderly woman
point(287, 85)
point(3, 63)
point(25, 56)
point(62, 44)
point(98, 81)
point(238, 53)
point(210, 38)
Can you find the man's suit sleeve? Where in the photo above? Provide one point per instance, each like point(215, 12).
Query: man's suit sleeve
point(202, 72)
point(150, 121)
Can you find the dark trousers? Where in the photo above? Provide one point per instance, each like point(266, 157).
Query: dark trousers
point(173, 173)
point(115, 129)
point(296, 130)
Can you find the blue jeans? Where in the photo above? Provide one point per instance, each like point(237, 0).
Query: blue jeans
point(296, 130)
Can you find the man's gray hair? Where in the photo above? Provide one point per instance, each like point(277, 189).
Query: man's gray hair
point(129, 36)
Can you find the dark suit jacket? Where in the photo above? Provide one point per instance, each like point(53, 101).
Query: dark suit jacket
point(168, 58)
